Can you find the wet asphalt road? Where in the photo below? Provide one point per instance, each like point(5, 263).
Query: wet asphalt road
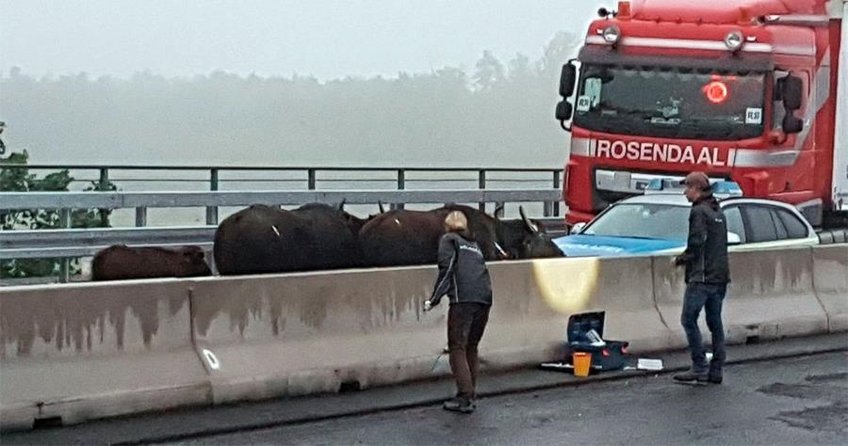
point(797, 401)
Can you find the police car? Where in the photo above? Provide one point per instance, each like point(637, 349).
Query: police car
point(658, 223)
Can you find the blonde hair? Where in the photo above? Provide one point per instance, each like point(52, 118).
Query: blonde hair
point(456, 222)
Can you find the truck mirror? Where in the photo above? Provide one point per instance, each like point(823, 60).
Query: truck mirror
point(792, 92)
point(563, 110)
point(567, 79)
point(791, 124)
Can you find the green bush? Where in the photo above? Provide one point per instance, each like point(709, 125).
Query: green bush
point(18, 179)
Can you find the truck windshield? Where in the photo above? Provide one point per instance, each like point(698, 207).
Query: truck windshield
point(670, 102)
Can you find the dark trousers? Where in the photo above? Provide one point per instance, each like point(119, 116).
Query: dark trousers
point(710, 297)
point(466, 323)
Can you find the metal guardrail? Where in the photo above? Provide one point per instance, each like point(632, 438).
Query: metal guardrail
point(116, 200)
point(29, 244)
point(311, 177)
point(86, 242)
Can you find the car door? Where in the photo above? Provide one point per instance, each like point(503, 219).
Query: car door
point(767, 226)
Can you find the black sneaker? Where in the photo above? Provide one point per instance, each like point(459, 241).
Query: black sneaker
point(459, 404)
point(714, 379)
point(691, 377)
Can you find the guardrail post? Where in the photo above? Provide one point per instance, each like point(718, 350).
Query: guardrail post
point(65, 263)
point(401, 185)
point(104, 184)
point(310, 179)
point(556, 186)
point(481, 184)
point(212, 211)
point(141, 216)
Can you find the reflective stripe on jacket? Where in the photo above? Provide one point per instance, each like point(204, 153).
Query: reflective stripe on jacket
point(463, 275)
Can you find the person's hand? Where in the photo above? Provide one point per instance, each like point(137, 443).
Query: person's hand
point(677, 261)
point(427, 305)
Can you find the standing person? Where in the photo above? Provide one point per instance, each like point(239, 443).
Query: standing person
point(707, 275)
point(463, 276)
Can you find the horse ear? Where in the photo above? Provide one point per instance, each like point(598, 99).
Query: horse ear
point(532, 226)
point(341, 205)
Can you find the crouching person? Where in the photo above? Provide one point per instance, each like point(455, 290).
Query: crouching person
point(464, 278)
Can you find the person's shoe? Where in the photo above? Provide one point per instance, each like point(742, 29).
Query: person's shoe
point(459, 404)
point(467, 406)
point(452, 404)
point(714, 379)
point(691, 377)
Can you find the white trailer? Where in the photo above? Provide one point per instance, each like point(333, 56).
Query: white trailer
point(840, 140)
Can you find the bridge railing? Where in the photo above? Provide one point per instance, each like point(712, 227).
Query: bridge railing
point(147, 191)
point(66, 243)
point(215, 178)
point(31, 244)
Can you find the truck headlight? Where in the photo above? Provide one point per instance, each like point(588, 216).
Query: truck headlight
point(611, 34)
point(734, 40)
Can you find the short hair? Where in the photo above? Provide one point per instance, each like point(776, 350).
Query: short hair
point(698, 180)
point(456, 222)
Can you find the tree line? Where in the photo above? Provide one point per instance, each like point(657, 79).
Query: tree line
point(500, 113)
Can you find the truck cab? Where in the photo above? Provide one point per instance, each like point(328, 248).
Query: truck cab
point(744, 90)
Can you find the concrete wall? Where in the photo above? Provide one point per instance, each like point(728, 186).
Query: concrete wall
point(770, 296)
point(830, 278)
point(85, 351)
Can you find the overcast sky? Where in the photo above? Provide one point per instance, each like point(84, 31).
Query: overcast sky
point(325, 38)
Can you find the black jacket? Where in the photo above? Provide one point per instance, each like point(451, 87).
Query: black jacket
point(463, 275)
point(706, 250)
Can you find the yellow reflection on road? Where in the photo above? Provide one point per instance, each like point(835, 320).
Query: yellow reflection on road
point(567, 285)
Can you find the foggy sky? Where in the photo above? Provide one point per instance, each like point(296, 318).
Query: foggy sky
point(60, 117)
point(325, 38)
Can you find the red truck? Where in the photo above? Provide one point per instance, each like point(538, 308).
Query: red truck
point(746, 90)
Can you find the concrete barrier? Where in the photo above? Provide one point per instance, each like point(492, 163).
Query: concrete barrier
point(771, 296)
point(830, 279)
point(294, 334)
point(272, 335)
point(71, 353)
point(92, 350)
point(263, 336)
point(623, 287)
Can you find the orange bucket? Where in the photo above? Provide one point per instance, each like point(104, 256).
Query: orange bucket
point(582, 363)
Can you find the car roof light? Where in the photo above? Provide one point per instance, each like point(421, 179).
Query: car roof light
point(663, 186)
point(726, 189)
point(720, 188)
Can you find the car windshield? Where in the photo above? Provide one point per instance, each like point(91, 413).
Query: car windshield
point(643, 220)
point(671, 103)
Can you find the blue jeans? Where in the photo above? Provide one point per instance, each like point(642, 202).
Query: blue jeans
point(708, 296)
